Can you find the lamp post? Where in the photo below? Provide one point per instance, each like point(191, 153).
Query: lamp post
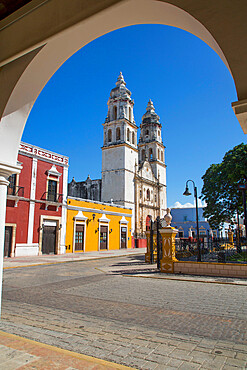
point(243, 188)
point(151, 240)
point(187, 193)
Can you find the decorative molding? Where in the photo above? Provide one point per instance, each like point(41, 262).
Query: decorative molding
point(123, 221)
point(113, 146)
point(7, 170)
point(80, 217)
point(33, 150)
point(94, 210)
point(53, 171)
point(103, 218)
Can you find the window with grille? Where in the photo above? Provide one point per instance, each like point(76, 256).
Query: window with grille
point(12, 185)
point(52, 190)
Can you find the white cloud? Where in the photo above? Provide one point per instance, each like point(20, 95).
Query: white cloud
point(189, 205)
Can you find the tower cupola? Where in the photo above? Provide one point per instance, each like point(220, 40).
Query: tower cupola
point(120, 104)
point(119, 126)
point(150, 126)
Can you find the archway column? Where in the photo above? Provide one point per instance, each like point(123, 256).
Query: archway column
point(240, 110)
point(5, 171)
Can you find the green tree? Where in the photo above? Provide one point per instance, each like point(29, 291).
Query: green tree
point(220, 187)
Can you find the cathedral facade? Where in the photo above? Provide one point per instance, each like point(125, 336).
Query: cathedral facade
point(133, 173)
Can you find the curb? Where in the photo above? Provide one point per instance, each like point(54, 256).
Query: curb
point(79, 260)
point(187, 280)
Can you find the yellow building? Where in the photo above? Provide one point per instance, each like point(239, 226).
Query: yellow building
point(94, 226)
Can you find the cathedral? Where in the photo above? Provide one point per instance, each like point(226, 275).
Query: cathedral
point(133, 174)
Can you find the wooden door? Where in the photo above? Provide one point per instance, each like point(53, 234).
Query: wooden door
point(49, 240)
point(79, 237)
point(123, 237)
point(7, 241)
point(103, 237)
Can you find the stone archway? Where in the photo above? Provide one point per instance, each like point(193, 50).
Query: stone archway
point(30, 73)
point(36, 56)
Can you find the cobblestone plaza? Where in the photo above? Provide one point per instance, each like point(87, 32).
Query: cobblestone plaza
point(110, 310)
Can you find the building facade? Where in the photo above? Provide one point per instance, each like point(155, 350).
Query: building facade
point(150, 174)
point(184, 220)
point(133, 175)
point(89, 189)
point(119, 151)
point(36, 204)
point(96, 226)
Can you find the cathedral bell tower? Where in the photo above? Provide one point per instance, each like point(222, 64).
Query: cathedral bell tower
point(119, 151)
point(151, 149)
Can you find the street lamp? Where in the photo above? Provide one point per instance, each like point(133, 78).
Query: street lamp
point(187, 193)
point(243, 188)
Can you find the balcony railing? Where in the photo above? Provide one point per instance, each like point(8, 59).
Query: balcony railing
point(17, 191)
point(50, 197)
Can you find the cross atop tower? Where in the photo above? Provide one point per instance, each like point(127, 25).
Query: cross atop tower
point(120, 80)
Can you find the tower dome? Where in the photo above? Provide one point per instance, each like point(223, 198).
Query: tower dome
point(120, 104)
point(150, 116)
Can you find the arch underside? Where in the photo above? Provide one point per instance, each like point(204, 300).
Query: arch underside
point(30, 73)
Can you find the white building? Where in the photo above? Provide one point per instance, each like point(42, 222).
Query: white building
point(150, 176)
point(133, 175)
point(119, 152)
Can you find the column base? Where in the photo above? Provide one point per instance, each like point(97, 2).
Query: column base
point(167, 266)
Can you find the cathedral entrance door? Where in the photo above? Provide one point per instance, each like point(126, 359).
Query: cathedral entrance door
point(79, 238)
point(123, 237)
point(103, 237)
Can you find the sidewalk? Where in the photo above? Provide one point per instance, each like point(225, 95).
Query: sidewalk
point(17, 352)
point(68, 257)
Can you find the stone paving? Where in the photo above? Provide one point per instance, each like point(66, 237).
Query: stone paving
point(92, 308)
point(21, 353)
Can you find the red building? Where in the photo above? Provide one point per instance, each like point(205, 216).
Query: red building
point(36, 204)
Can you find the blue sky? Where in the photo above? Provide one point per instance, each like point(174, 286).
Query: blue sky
point(190, 86)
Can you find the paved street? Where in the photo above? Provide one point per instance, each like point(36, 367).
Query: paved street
point(116, 310)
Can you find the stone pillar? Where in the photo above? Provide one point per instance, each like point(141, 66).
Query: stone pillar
point(168, 249)
point(5, 172)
